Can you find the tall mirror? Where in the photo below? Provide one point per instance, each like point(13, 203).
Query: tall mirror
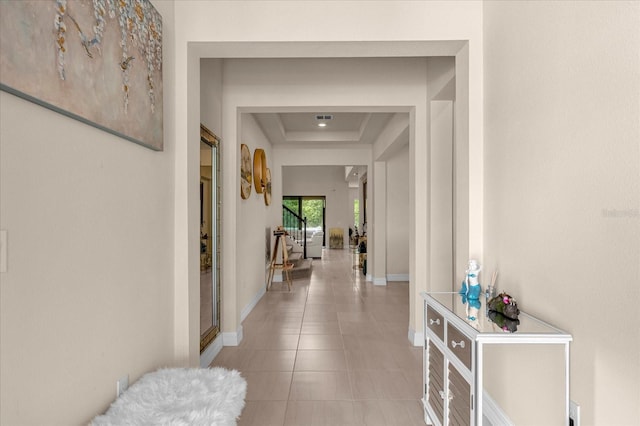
point(209, 237)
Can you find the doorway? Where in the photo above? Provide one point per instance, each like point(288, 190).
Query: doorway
point(313, 208)
point(209, 237)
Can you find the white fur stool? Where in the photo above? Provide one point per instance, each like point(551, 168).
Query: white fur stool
point(179, 396)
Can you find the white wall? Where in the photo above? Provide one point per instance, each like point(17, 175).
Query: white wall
point(562, 84)
point(441, 94)
point(398, 216)
point(88, 295)
point(252, 220)
point(211, 94)
point(442, 189)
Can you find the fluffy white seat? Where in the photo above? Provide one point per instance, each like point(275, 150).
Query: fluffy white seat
point(179, 396)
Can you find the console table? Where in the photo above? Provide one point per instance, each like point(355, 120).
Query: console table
point(456, 336)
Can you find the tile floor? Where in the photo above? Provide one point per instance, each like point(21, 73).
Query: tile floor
point(333, 351)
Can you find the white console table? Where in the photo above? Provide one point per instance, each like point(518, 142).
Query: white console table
point(454, 391)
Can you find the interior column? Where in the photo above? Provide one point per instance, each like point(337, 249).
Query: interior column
point(377, 255)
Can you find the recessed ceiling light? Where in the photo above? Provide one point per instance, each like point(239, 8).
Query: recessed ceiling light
point(322, 119)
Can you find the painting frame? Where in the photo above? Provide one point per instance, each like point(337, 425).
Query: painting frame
point(98, 62)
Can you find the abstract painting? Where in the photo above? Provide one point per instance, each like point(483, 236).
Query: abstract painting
point(98, 61)
point(336, 238)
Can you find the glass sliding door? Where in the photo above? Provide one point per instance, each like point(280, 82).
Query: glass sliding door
point(293, 204)
point(209, 237)
point(313, 208)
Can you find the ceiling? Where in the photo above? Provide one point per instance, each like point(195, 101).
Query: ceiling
point(301, 128)
point(340, 129)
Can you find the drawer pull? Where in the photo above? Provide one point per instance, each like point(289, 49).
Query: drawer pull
point(434, 321)
point(455, 344)
point(442, 395)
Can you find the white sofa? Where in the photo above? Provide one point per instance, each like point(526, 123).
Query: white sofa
point(312, 230)
point(314, 245)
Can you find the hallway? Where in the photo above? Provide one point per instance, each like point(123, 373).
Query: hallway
point(334, 351)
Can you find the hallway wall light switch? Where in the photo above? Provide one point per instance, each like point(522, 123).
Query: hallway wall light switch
point(3, 250)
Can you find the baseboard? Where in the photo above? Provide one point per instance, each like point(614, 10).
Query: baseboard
point(211, 351)
point(252, 304)
point(232, 338)
point(397, 277)
point(416, 337)
point(493, 413)
point(379, 281)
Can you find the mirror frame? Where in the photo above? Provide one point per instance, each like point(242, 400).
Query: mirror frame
point(212, 140)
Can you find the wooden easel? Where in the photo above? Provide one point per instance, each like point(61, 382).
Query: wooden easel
point(286, 267)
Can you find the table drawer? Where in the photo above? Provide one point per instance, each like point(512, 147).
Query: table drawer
point(435, 322)
point(459, 344)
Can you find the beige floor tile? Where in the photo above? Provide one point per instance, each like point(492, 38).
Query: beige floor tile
point(320, 342)
point(258, 314)
point(321, 360)
point(333, 351)
point(283, 326)
point(263, 413)
point(363, 385)
point(320, 413)
point(356, 306)
point(388, 413)
point(252, 327)
point(269, 341)
point(314, 309)
point(366, 343)
point(320, 299)
point(286, 312)
point(327, 327)
point(267, 385)
point(259, 360)
point(360, 328)
point(320, 316)
point(362, 316)
point(283, 300)
point(279, 296)
point(408, 358)
point(351, 300)
point(414, 379)
point(370, 360)
point(320, 386)
point(320, 290)
point(377, 384)
point(232, 357)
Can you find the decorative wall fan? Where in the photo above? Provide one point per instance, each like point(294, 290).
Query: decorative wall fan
point(267, 188)
point(259, 170)
point(245, 172)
